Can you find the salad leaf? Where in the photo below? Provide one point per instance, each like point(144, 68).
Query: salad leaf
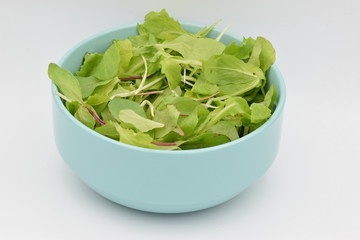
point(118, 104)
point(83, 115)
point(141, 123)
point(171, 69)
point(205, 140)
point(195, 48)
point(259, 112)
point(160, 23)
point(66, 82)
point(169, 118)
point(263, 54)
point(227, 69)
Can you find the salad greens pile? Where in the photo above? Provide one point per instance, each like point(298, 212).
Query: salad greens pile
point(166, 88)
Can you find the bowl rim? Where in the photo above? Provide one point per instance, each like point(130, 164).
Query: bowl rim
point(276, 114)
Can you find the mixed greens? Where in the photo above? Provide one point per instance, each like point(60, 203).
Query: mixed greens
point(166, 88)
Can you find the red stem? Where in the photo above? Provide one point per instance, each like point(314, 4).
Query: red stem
point(100, 121)
point(164, 143)
point(204, 98)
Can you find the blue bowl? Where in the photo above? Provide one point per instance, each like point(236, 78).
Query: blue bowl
point(158, 180)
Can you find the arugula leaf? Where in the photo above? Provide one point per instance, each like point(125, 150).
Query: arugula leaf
point(65, 81)
point(141, 123)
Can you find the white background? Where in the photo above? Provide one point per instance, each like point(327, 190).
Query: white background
point(311, 192)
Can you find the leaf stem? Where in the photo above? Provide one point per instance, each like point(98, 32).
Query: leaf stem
point(132, 78)
point(204, 98)
point(223, 32)
point(63, 97)
point(96, 117)
point(151, 106)
point(144, 77)
point(164, 143)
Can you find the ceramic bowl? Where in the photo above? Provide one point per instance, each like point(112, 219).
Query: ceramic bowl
point(158, 180)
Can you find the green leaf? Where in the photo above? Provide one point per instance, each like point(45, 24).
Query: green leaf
point(108, 130)
point(239, 88)
point(227, 69)
point(83, 115)
point(66, 82)
point(204, 141)
point(259, 112)
point(270, 97)
point(159, 23)
point(169, 117)
point(91, 61)
point(202, 86)
point(88, 84)
point(172, 71)
point(97, 99)
point(194, 48)
point(225, 128)
point(118, 104)
point(126, 53)
point(108, 67)
point(141, 123)
point(241, 106)
point(186, 105)
point(263, 54)
point(242, 51)
point(189, 123)
point(206, 30)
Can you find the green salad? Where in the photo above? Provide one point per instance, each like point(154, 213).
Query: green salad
point(166, 88)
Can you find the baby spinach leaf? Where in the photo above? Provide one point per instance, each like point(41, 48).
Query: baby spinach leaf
point(118, 104)
point(158, 23)
point(108, 67)
point(263, 54)
point(126, 53)
point(259, 112)
point(270, 97)
point(189, 123)
point(227, 69)
point(83, 115)
point(91, 61)
point(65, 81)
point(225, 128)
point(141, 123)
point(195, 48)
point(204, 141)
point(88, 84)
point(168, 117)
point(242, 51)
point(171, 69)
point(202, 86)
point(108, 130)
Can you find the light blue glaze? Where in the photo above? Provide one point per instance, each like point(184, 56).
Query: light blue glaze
point(158, 180)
